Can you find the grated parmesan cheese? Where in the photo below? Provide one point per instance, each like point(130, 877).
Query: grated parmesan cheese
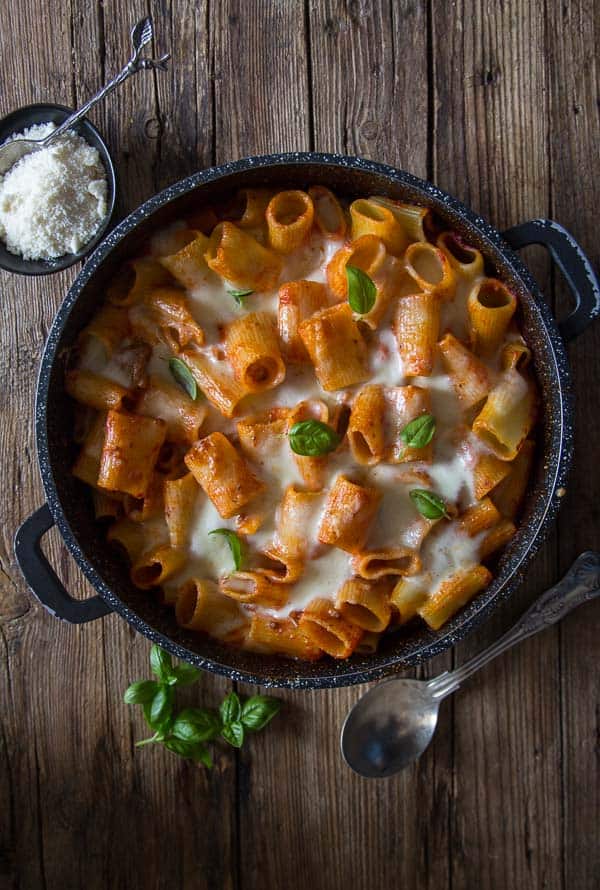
point(52, 201)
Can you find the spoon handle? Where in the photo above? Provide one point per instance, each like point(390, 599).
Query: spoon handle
point(580, 584)
point(141, 34)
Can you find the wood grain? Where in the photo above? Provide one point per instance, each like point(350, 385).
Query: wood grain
point(498, 103)
point(574, 127)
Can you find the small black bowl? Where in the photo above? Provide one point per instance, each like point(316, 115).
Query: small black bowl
point(42, 113)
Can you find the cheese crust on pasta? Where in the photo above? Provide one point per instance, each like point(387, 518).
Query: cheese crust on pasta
point(306, 419)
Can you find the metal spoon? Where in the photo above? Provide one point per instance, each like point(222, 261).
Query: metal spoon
point(141, 34)
point(393, 723)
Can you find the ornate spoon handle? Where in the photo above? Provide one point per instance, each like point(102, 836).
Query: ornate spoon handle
point(580, 584)
point(141, 34)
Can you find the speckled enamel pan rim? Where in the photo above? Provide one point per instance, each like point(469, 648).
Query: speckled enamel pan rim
point(332, 674)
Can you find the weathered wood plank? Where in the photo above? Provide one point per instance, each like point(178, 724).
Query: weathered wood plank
point(574, 32)
point(491, 134)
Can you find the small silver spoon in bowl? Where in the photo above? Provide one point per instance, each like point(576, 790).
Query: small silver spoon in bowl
point(141, 34)
point(393, 723)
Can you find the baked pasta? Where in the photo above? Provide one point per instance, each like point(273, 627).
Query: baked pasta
point(306, 422)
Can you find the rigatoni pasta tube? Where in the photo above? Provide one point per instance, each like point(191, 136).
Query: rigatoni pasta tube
point(130, 536)
point(238, 257)
point(372, 564)
point(87, 465)
point(107, 328)
point(367, 253)
point(130, 452)
point(312, 469)
point(365, 430)
point(510, 492)
point(297, 301)
point(289, 219)
point(430, 268)
point(470, 377)
point(467, 261)
point(407, 597)
point(507, 416)
point(515, 354)
point(478, 517)
point(216, 379)
point(295, 515)
point(280, 635)
point(171, 312)
point(349, 510)
point(452, 594)
point(370, 218)
point(252, 587)
point(201, 606)
point(179, 499)
point(223, 474)
point(488, 472)
point(416, 221)
point(365, 603)
point(254, 203)
point(324, 626)
point(253, 350)
point(497, 538)
point(329, 216)
point(183, 416)
point(491, 305)
point(135, 279)
point(154, 566)
point(404, 404)
point(188, 265)
point(417, 326)
point(336, 347)
point(91, 389)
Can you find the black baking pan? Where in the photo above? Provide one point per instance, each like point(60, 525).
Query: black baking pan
point(69, 503)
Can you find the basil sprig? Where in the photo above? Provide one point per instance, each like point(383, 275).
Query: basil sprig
point(235, 545)
point(183, 376)
point(419, 432)
point(429, 504)
point(239, 295)
point(188, 732)
point(362, 292)
point(312, 438)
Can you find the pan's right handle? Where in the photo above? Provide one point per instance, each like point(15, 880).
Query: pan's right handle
point(42, 579)
point(572, 262)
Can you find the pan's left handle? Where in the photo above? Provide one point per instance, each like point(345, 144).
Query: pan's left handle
point(572, 262)
point(42, 579)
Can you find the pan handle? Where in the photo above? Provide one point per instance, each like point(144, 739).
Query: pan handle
point(572, 262)
point(41, 577)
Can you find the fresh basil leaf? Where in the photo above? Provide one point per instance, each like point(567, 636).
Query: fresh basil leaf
point(258, 711)
point(140, 693)
point(234, 733)
point(235, 545)
point(179, 746)
point(160, 662)
point(201, 754)
point(429, 504)
point(161, 707)
point(231, 708)
point(312, 438)
point(362, 292)
point(185, 674)
point(196, 725)
point(183, 376)
point(419, 432)
point(238, 295)
point(155, 738)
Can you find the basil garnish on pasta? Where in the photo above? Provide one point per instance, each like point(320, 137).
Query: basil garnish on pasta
point(235, 545)
point(429, 504)
point(183, 376)
point(419, 432)
point(240, 295)
point(312, 438)
point(362, 293)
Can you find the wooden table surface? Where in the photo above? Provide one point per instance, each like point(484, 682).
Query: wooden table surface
point(496, 102)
